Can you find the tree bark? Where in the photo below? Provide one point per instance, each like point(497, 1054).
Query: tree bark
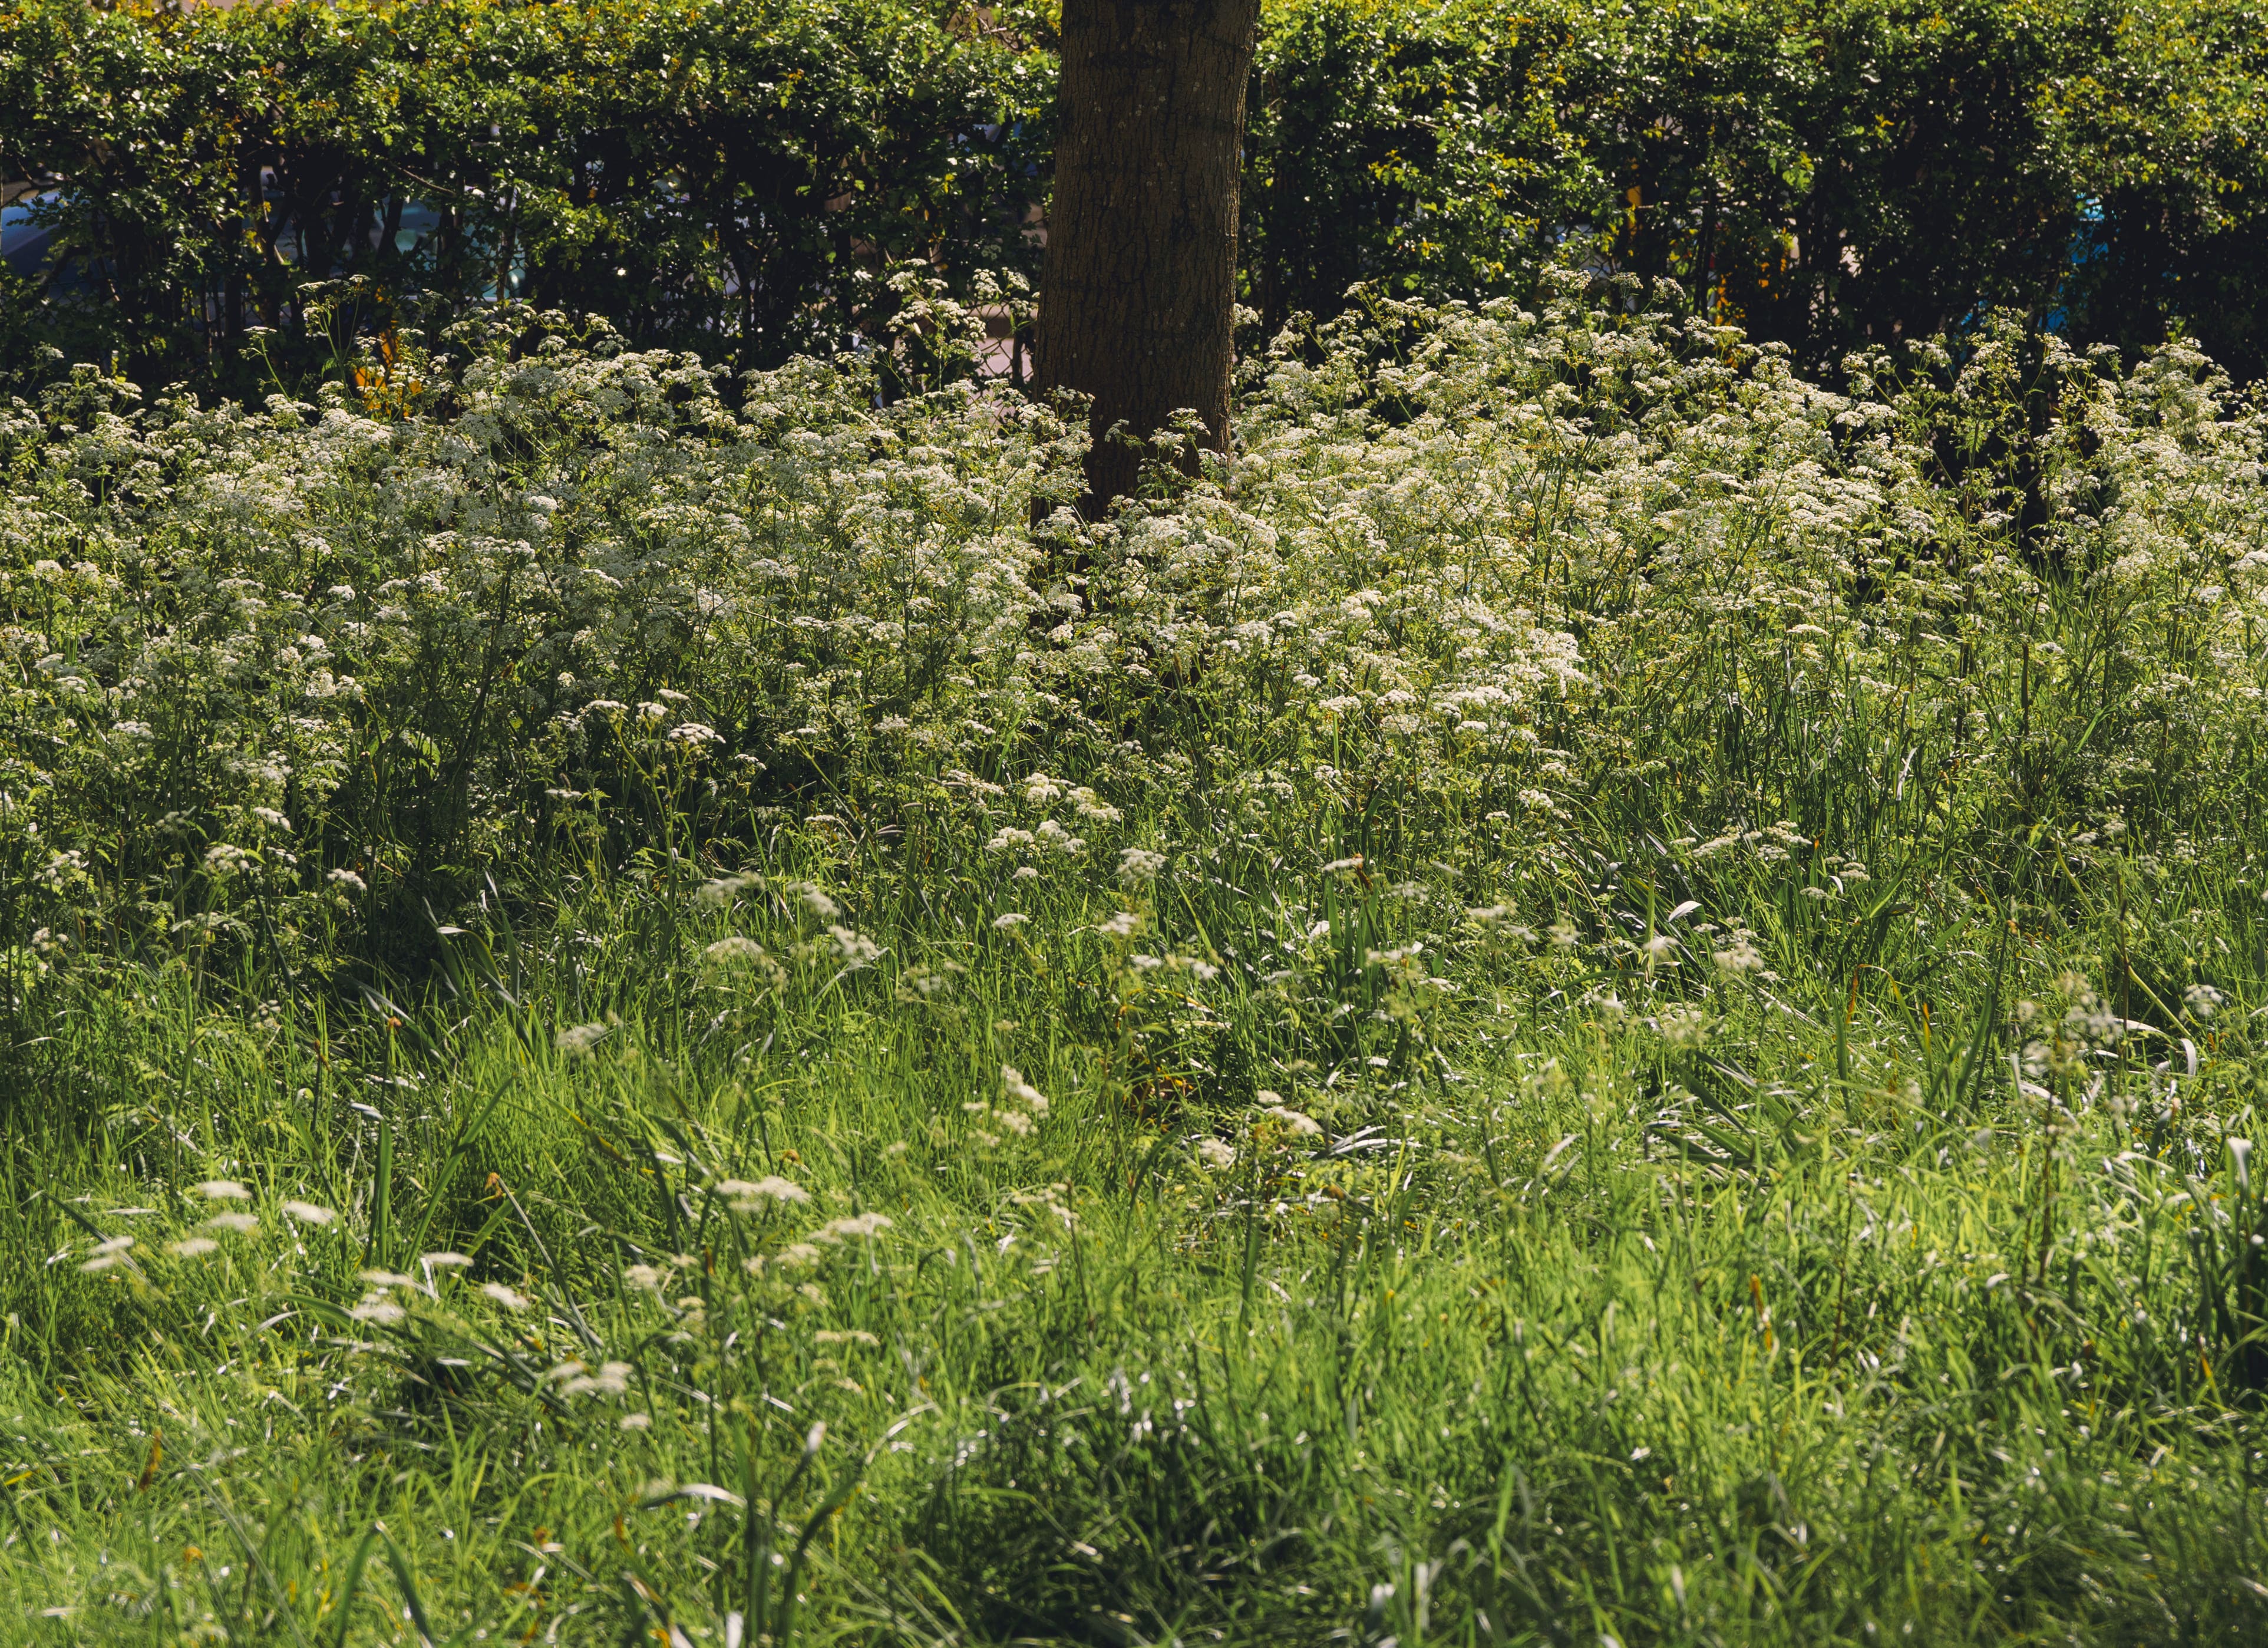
point(1138, 290)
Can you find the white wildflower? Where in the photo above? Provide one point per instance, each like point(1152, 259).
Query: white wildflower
point(1012, 1082)
point(855, 1224)
point(1092, 807)
point(724, 889)
point(613, 1379)
point(1739, 957)
point(1683, 1027)
point(1302, 1125)
point(578, 1040)
point(754, 1196)
point(222, 860)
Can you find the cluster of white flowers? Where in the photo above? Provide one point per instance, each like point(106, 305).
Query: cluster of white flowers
point(1502, 580)
point(1018, 1111)
point(761, 1196)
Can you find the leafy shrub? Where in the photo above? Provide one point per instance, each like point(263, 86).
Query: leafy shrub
point(715, 174)
point(738, 178)
point(1825, 175)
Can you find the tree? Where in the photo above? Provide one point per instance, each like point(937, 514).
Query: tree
point(1138, 290)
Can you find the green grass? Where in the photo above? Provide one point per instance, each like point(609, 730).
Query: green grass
point(1684, 1076)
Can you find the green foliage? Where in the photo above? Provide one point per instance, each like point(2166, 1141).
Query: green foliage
point(1423, 149)
point(740, 177)
point(1599, 993)
point(728, 176)
point(1829, 175)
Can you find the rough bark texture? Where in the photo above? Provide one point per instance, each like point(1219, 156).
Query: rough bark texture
point(1138, 289)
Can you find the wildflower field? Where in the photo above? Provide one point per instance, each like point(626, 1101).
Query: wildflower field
point(1593, 995)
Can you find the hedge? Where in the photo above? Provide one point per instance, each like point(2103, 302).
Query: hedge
point(726, 174)
point(741, 176)
point(1825, 173)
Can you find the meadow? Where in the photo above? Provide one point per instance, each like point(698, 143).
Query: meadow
point(1595, 995)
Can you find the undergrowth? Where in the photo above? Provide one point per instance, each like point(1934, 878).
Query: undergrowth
point(1594, 996)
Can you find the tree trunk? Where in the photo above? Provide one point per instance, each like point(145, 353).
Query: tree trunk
point(1137, 291)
